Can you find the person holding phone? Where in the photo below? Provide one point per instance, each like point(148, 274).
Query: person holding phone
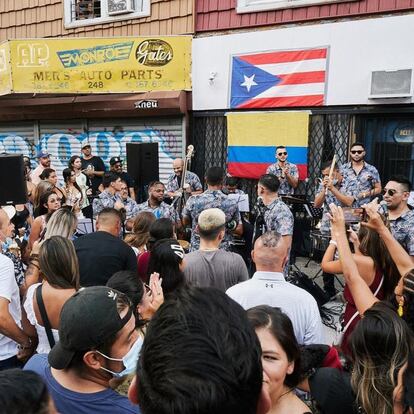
point(375, 267)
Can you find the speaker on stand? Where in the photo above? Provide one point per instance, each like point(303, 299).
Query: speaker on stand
point(142, 166)
point(13, 189)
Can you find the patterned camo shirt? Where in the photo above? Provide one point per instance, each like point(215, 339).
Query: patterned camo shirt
point(190, 178)
point(354, 184)
point(211, 199)
point(285, 187)
point(403, 230)
point(164, 210)
point(278, 217)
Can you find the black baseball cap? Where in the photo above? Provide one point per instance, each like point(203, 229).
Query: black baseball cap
point(115, 160)
point(88, 319)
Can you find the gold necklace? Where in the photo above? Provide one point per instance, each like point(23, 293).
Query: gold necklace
point(287, 392)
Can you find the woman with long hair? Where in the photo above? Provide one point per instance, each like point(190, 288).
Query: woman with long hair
point(380, 346)
point(374, 265)
point(162, 228)
point(48, 204)
point(280, 358)
point(167, 259)
point(62, 222)
point(139, 237)
point(40, 189)
point(75, 164)
point(49, 175)
point(74, 197)
point(403, 298)
point(59, 268)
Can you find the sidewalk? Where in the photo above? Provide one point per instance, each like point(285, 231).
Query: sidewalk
point(336, 306)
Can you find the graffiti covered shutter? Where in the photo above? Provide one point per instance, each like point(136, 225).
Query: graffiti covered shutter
point(18, 138)
point(61, 140)
point(109, 138)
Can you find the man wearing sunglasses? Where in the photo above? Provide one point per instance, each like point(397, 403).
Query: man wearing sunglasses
point(360, 179)
point(286, 172)
point(401, 216)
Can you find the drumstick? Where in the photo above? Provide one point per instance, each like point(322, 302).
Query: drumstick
point(331, 171)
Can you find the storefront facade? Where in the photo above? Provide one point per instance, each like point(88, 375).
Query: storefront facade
point(353, 77)
point(60, 94)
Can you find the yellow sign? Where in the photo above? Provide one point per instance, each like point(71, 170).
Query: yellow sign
point(100, 65)
point(5, 75)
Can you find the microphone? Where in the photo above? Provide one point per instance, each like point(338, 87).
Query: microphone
point(260, 202)
point(384, 208)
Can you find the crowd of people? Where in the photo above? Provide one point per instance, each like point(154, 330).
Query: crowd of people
point(153, 309)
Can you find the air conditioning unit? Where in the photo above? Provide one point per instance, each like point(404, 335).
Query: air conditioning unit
point(116, 7)
point(391, 84)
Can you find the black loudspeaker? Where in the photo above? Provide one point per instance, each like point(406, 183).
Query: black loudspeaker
point(142, 162)
point(13, 189)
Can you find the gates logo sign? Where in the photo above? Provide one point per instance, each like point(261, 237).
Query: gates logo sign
point(154, 52)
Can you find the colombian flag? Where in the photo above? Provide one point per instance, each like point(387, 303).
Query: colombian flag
point(254, 136)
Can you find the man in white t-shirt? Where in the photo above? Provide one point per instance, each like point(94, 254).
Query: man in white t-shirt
point(13, 340)
point(268, 287)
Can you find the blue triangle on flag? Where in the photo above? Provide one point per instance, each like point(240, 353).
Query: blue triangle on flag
point(248, 81)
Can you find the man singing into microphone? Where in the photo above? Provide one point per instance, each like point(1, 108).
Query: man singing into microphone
point(286, 172)
point(360, 179)
point(401, 216)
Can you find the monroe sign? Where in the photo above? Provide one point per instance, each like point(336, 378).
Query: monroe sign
point(95, 65)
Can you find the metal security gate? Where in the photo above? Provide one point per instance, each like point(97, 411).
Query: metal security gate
point(111, 136)
point(108, 138)
point(328, 135)
point(18, 138)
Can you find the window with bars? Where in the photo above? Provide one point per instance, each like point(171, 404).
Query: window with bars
point(90, 12)
point(86, 9)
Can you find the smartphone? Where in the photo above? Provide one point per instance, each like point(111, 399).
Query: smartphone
point(354, 215)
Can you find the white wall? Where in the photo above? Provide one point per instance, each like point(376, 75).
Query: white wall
point(356, 48)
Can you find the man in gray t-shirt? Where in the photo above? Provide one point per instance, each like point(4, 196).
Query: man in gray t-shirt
point(211, 266)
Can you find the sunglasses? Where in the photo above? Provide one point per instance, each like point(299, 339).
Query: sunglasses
point(388, 191)
point(357, 152)
point(282, 153)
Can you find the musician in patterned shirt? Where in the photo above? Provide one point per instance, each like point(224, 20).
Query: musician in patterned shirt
point(286, 172)
point(401, 216)
point(360, 179)
point(213, 197)
point(277, 215)
point(329, 192)
point(192, 182)
point(156, 205)
point(109, 198)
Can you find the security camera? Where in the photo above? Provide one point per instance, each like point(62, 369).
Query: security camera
point(212, 76)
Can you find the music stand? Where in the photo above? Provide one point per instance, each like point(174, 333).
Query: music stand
point(85, 226)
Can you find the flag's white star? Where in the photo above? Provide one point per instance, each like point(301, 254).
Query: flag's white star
point(248, 82)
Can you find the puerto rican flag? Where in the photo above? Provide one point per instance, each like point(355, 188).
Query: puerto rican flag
point(279, 79)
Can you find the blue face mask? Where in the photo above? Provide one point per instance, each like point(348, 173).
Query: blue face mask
point(129, 360)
